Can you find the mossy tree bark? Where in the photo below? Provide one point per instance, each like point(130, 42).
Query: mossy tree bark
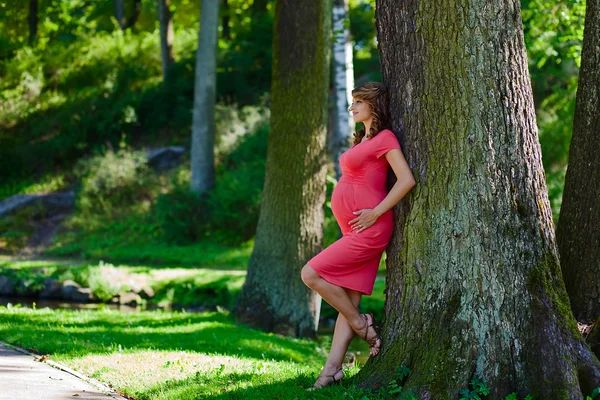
point(289, 230)
point(474, 286)
point(578, 231)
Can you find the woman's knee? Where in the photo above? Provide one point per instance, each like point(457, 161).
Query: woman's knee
point(308, 275)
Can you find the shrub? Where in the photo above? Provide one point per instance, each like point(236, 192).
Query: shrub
point(181, 215)
point(113, 178)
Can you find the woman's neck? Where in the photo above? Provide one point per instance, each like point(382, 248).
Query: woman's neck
point(367, 124)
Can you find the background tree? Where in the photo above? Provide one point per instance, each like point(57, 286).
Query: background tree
point(166, 36)
point(33, 20)
point(203, 125)
point(474, 285)
point(289, 230)
point(120, 13)
point(578, 235)
point(343, 83)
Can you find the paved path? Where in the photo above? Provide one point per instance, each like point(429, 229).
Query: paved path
point(22, 377)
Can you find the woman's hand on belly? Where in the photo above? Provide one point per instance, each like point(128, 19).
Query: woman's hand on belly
point(366, 218)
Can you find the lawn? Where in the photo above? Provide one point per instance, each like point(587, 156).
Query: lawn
point(174, 355)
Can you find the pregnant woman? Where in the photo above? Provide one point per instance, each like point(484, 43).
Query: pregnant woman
point(346, 270)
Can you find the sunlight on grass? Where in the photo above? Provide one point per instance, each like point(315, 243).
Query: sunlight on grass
point(172, 355)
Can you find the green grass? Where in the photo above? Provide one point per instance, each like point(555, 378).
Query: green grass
point(168, 355)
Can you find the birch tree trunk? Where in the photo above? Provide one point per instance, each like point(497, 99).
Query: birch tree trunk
point(343, 83)
point(33, 20)
point(166, 36)
point(579, 224)
point(474, 286)
point(203, 125)
point(289, 230)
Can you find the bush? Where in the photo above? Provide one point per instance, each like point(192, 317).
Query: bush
point(113, 178)
point(227, 213)
point(181, 215)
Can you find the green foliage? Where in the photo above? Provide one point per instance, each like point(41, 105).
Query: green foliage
point(181, 214)
point(476, 388)
point(115, 178)
point(594, 394)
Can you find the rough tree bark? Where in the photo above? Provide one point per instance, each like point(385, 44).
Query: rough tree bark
point(166, 36)
point(205, 88)
point(289, 230)
point(343, 82)
point(474, 286)
point(578, 231)
point(33, 20)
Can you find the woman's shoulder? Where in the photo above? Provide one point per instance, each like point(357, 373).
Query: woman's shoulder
point(386, 132)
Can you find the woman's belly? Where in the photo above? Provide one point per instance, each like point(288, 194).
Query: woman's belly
point(348, 198)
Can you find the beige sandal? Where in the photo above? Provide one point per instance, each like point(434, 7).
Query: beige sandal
point(375, 342)
point(331, 380)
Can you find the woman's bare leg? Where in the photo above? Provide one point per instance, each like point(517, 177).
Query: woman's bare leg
point(334, 295)
point(342, 336)
point(341, 301)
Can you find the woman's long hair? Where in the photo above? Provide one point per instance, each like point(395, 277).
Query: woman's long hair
point(376, 96)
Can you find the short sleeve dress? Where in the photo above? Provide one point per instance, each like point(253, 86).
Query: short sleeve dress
point(352, 261)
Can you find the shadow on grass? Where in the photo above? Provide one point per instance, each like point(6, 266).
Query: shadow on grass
point(82, 333)
point(244, 385)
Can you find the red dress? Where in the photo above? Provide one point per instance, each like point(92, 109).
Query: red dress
point(352, 261)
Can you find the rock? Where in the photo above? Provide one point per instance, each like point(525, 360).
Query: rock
point(129, 298)
point(82, 295)
point(7, 286)
point(54, 202)
point(52, 289)
point(146, 292)
point(68, 288)
point(164, 157)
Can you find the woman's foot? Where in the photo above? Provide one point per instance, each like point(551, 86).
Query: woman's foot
point(369, 335)
point(325, 379)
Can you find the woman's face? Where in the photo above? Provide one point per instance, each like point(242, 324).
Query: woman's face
point(361, 111)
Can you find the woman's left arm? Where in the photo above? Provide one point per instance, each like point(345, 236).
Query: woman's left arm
point(404, 182)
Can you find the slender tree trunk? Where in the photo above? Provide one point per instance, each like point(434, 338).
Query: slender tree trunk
point(289, 229)
point(203, 128)
point(136, 9)
point(120, 13)
point(343, 82)
point(259, 7)
point(226, 18)
point(166, 36)
point(33, 20)
point(579, 225)
point(474, 286)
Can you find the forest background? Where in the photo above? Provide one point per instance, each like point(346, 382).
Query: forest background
point(85, 92)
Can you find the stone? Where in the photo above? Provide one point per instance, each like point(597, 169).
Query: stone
point(7, 286)
point(82, 295)
point(164, 157)
point(146, 292)
point(129, 298)
point(68, 288)
point(52, 289)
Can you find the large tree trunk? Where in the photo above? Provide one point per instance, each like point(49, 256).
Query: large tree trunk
point(343, 82)
point(474, 285)
point(289, 229)
point(120, 13)
point(578, 228)
point(33, 20)
point(203, 125)
point(166, 36)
